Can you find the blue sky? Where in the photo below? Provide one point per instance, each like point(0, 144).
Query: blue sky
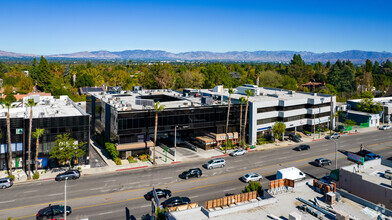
point(55, 26)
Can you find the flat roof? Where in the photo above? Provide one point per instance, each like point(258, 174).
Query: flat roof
point(46, 107)
point(374, 173)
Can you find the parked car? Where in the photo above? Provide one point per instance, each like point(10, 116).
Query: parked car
point(238, 152)
point(70, 174)
point(52, 211)
point(215, 163)
point(6, 183)
point(385, 127)
point(388, 174)
point(302, 147)
point(162, 193)
point(322, 162)
point(251, 177)
point(175, 201)
point(295, 138)
point(291, 173)
point(333, 136)
point(195, 172)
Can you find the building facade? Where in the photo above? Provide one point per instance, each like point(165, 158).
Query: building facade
point(56, 116)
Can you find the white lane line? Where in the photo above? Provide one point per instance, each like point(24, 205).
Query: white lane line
point(96, 188)
point(8, 201)
point(104, 213)
point(56, 194)
point(259, 162)
point(166, 178)
point(146, 175)
point(30, 191)
point(145, 206)
point(106, 181)
point(226, 190)
point(193, 196)
point(284, 157)
point(134, 183)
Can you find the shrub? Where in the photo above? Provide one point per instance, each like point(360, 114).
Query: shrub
point(79, 168)
point(12, 177)
point(253, 186)
point(9, 218)
point(112, 150)
point(117, 161)
point(36, 175)
point(307, 132)
point(131, 160)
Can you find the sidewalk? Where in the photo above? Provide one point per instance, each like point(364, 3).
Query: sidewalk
point(163, 158)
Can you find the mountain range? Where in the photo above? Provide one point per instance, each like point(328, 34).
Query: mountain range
point(355, 56)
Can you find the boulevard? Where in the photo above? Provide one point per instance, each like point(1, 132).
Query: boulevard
point(107, 196)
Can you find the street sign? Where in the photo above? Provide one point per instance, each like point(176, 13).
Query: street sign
point(356, 158)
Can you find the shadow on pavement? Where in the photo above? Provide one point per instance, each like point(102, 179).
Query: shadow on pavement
point(128, 215)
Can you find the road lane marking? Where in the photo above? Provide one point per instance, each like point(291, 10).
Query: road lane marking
point(146, 175)
point(106, 181)
point(55, 194)
point(166, 178)
point(145, 206)
point(30, 191)
point(96, 188)
point(8, 201)
point(227, 190)
point(104, 213)
point(199, 179)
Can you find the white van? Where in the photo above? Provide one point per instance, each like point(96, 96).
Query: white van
point(290, 173)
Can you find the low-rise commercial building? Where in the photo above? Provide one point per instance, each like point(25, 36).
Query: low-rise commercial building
point(386, 102)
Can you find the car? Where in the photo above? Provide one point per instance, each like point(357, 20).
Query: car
point(195, 172)
point(6, 183)
point(295, 138)
point(238, 152)
point(388, 174)
point(385, 127)
point(251, 177)
point(162, 193)
point(302, 147)
point(52, 211)
point(322, 162)
point(70, 174)
point(333, 136)
point(215, 163)
point(176, 201)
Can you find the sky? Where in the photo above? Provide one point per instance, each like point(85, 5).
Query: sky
point(67, 26)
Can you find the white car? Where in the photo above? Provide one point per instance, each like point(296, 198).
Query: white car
point(251, 177)
point(385, 127)
point(238, 152)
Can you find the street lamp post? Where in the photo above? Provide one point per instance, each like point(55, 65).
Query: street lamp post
point(65, 198)
point(336, 154)
point(175, 143)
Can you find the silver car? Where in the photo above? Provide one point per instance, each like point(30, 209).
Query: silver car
point(215, 163)
point(251, 177)
point(238, 152)
point(5, 183)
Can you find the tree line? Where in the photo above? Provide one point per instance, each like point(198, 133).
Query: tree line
point(341, 78)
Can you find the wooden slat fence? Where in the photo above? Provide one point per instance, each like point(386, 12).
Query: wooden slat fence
point(227, 200)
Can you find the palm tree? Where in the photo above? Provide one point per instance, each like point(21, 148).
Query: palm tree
point(228, 117)
point(248, 93)
point(157, 108)
point(30, 104)
point(242, 101)
point(37, 134)
point(7, 104)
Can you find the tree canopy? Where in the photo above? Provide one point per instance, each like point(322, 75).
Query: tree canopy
point(66, 148)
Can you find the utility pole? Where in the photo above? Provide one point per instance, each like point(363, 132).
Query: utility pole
point(336, 154)
point(175, 143)
point(65, 198)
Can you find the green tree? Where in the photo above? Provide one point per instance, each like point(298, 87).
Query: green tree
point(7, 104)
point(349, 122)
point(37, 135)
point(367, 105)
point(30, 103)
point(84, 80)
point(242, 102)
point(157, 108)
point(367, 94)
point(111, 148)
point(10, 98)
point(248, 93)
point(278, 129)
point(66, 148)
point(253, 186)
point(228, 118)
point(44, 77)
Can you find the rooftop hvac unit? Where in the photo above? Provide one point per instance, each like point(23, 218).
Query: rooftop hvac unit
point(41, 114)
point(102, 93)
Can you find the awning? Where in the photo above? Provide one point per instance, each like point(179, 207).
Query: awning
point(206, 140)
point(134, 146)
point(222, 136)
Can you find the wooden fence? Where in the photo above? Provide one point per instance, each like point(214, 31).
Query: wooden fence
point(183, 207)
point(225, 201)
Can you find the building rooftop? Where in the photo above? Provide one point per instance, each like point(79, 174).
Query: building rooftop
point(46, 106)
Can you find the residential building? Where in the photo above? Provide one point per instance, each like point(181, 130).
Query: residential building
point(56, 116)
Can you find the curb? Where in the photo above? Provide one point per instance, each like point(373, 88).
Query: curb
point(132, 168)
point(318, 139)
point(175, 162)
point(223, 155)
point(353, 133)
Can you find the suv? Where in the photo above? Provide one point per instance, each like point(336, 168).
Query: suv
point(5, 183)
point(302, 147)
point(322, 161)
point(52, 212)
point(215, 163)
point(333, 136)
point(70, 174)
point(195, 172)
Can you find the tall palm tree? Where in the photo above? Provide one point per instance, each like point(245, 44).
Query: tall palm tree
point(157, 108)
point(228, 118)
point(37, 134)
point(242, 101)
point(8, 105)
point(248, 93)
point(30, 104)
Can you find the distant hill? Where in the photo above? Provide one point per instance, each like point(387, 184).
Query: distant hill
point(356, 56)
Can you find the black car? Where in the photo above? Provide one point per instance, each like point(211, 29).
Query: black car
point(175, 201)
point(195, 172)
point(295, 138)
point(162, 193)
point(302, 147)
point(322, 162)
point(52, 211)
point(70, 174)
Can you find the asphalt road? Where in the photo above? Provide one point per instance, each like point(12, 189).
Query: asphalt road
point(110, 196)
